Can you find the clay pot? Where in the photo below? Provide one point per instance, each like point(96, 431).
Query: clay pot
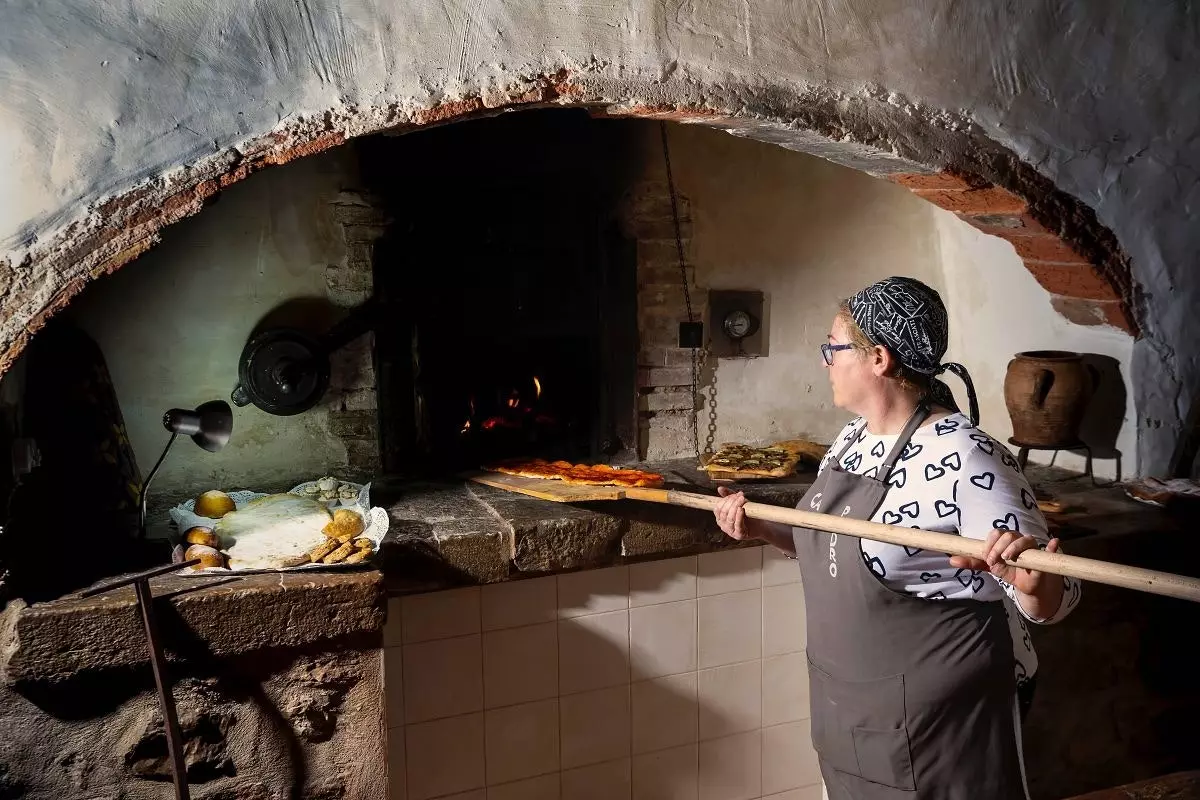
point(1047, 392)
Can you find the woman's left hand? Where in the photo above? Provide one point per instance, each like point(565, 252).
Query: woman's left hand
point(1002, 546)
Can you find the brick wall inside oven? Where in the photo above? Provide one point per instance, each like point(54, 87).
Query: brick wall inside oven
point(354, 417)
point(666, 404)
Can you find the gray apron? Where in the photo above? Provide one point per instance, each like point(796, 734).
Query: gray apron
point(911, 698)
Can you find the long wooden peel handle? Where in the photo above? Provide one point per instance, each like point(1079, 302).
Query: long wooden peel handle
point(1143, 580)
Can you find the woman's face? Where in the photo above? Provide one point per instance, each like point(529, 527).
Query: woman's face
point(850, 375)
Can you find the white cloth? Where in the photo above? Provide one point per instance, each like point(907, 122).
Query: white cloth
point(951, 478)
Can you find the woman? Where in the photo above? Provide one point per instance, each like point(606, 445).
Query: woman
point(910, 654)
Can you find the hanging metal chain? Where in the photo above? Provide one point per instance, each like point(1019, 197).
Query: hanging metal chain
point(698, 354)
point(712, 411)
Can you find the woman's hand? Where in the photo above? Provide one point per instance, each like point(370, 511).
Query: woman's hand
point(731, 515)
point(1002, 546)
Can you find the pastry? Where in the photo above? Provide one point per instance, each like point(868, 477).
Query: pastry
point(340, 554)
point(323, 549)
point(345, 525)
point(361, 554)
point(209, 556)
point(202, 535)
point(327, 485)
point(214, 504)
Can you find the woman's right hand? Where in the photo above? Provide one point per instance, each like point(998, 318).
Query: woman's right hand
point(731, 515)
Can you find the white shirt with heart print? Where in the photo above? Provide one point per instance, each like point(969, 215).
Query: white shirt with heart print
point(951, 478)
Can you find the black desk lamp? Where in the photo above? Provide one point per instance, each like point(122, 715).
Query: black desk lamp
point(209, 425)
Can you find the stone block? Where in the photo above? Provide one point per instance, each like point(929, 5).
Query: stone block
point(481, 547)
point(652, 356)
point(347, 298)
point(363, 233)
point(664, 444)
point(355, 214)
point(358, 400)
point(354, 424)
point(443, 532)
point(664, 273)
point(560, 537)
point(654, 529)
point(664, 376)
point(348, 279)
point(57, 640)
point(362, 459)
point(353, 366)
point(667, 401)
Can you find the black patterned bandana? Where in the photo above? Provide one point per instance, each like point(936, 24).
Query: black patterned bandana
point(909, 319)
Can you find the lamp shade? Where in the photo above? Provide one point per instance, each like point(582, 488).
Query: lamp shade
point(209, 425)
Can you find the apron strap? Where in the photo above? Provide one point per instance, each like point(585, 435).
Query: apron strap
point(919, 415)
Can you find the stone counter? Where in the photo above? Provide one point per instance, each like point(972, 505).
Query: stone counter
point(459, 532)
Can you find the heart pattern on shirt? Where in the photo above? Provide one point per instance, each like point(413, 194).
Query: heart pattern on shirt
point(1028, 500)
point(952, 462)
point(892, 518)
point(911, 450)
point(933, 472)
point(912, 509)
point(945, 509)
point(926, 577)
point(985, 481)
point(945, 426)
point(875, 565)
point(971, 579)
point(877, 450)
point(898, 479)
point(1008, 523)
point(852, 462)
point(984, 443)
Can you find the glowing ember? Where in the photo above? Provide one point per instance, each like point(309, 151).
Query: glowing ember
point(537, 385)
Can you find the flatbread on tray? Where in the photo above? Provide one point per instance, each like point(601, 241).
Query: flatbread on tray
point(778, 460)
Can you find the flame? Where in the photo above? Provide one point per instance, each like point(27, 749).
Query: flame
point(514, 400)
point(466, 428)
point(537, 385)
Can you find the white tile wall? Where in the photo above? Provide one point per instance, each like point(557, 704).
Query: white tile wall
point(684, 678)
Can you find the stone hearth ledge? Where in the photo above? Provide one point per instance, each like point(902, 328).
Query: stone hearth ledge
point(458, 532)
point(217, 616)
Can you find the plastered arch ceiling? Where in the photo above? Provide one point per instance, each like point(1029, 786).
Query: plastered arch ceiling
point(126, 119)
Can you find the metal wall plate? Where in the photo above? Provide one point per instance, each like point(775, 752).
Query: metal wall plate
point(736, 322)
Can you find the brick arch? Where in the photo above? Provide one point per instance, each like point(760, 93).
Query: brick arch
point(954, 166)
point(1079, 291)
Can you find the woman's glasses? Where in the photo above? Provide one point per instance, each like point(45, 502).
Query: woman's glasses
point(827, 351)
